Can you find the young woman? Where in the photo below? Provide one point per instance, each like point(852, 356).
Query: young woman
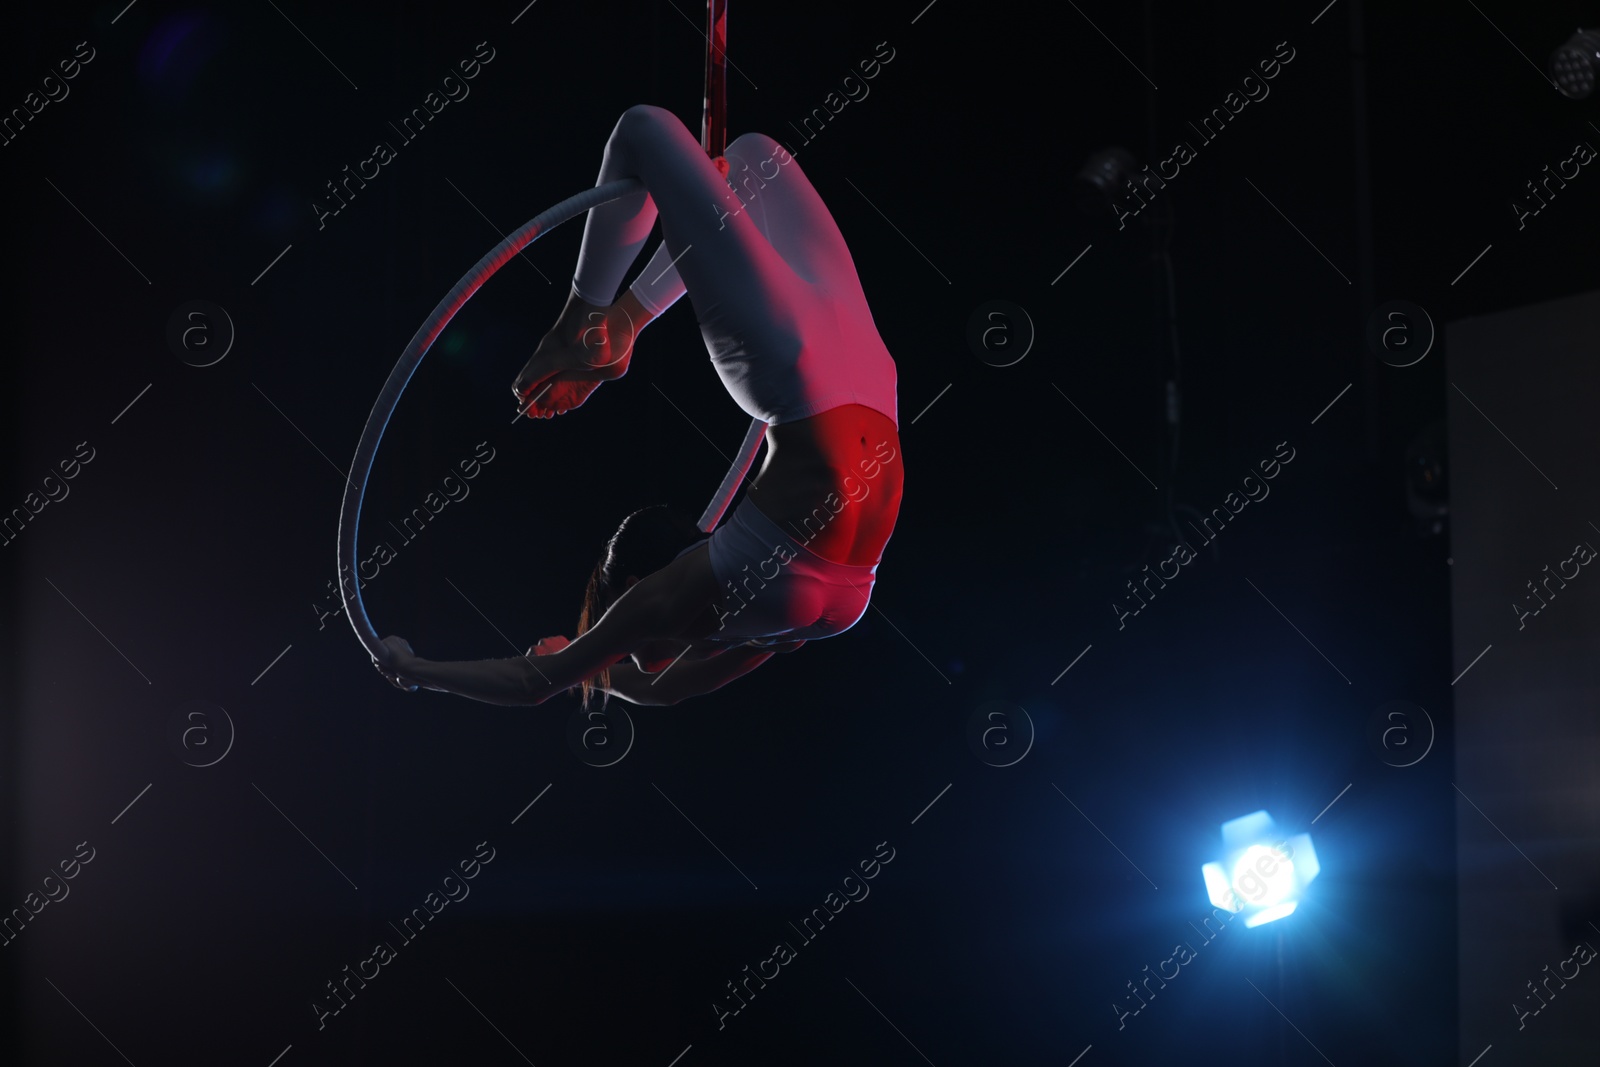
point(670, 613)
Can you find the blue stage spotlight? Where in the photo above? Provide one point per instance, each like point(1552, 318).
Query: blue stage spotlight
point(1260, 874)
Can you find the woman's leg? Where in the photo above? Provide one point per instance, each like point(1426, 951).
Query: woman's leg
point(714, 246)
point(754, 259)
point(785, 208)
point(741, 287)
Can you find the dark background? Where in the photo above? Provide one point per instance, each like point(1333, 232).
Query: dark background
point(193, 547)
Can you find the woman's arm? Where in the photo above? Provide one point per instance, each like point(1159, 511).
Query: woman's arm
point(662, 605)
point(688, 678)
point(658, 606)
point(493, 681)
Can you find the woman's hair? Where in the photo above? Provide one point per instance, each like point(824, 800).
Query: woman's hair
point(646, 541)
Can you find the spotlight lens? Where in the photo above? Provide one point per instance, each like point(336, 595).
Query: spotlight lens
point(1263, 876)
point(1572, 66)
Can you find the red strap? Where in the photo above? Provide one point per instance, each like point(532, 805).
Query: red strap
point(714, 120)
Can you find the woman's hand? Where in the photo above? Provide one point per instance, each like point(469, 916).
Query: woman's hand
point(395, 661)
point(546, 646)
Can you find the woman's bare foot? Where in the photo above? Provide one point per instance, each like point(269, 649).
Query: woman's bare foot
point(588, 345)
